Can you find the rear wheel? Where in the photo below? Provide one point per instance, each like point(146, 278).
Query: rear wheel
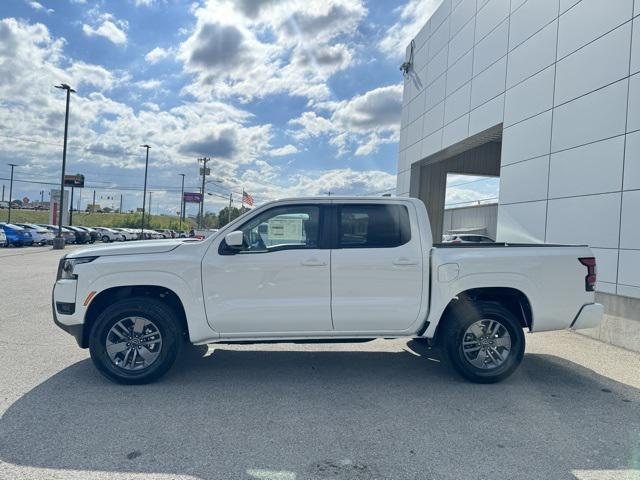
point(135, 341)
point(484, 341)
point(105, 239)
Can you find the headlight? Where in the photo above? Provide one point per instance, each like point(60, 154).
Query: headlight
point(67, 266)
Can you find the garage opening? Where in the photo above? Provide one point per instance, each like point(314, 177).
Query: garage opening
point(444, 182)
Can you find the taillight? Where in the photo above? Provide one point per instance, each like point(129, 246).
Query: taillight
point(590, 279)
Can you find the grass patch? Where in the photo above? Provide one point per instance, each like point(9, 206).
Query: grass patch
point(126, 220)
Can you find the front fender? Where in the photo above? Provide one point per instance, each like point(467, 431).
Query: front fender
point(190, 297)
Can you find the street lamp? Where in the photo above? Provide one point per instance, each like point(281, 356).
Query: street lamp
point(181, 200)
point(144, 195)
point(58, 243)
point(10, 190)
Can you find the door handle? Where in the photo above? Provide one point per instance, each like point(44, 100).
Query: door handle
point(313, 262)
point(404, 261)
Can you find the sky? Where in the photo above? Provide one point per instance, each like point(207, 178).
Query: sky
point(287, 97)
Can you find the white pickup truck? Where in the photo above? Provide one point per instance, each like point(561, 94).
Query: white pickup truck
point(321, 269)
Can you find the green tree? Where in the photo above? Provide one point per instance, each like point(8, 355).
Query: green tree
point(223, 215)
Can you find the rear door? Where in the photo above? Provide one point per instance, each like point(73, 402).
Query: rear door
point(376, 267)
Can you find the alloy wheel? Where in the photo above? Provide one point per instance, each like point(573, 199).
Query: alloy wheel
point(133, 343)
point(486, 344)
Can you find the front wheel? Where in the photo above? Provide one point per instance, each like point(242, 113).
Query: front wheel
point(484, 341)
point(135, 341)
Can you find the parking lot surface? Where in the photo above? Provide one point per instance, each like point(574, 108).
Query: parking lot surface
point(386, 409)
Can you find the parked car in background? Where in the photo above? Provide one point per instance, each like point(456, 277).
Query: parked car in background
point(82, 236)
point(68, 235)
point(109, 235)
point(16, 236)
point(164, 233)
point(3, 238)
point(152, 235)
point(466, 238)
point(183, 234)
point(135, 232)
point(126, 233)
point(40, 235)
point(4, 204)
point(93, 233)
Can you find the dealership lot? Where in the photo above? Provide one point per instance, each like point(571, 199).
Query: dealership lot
point(382, 409)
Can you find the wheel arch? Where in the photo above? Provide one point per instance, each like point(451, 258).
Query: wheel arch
point(114, 294)
point(511, 298)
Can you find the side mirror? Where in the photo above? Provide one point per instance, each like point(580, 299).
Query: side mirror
point(234, 239)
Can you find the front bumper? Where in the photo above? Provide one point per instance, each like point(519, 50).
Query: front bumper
point(589, 316)
point(63, 306)
point(77, 331)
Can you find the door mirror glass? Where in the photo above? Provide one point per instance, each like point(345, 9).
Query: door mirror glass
point(234, 239)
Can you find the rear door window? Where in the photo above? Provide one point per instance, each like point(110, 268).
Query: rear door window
point(373, 226)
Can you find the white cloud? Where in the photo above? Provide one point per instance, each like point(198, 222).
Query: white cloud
point(38, 6)
point(107, 26)
point(88, 74)
point(144, 3)
point(341, 181)
point(149, 84)
point(157, 54)
point(308, 41)
point(282, 151)
point(366, 121)
point(412, 17)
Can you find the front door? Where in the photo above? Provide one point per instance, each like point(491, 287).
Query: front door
point(278, 282)
point(376, 268)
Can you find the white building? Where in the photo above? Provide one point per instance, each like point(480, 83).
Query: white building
point(545, 94)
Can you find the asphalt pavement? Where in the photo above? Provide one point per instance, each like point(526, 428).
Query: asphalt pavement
point(386, 409)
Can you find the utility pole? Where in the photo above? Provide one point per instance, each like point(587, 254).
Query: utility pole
point(3, 192)
point(203, 169)
point(120, 203)
point(41, 195)
point(181, 201)
point(144, 193)
point(12, 165)
point(93, 207)
point(229, 211)
point(59, 242)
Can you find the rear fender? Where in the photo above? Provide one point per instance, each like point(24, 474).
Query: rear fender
point(443, 293)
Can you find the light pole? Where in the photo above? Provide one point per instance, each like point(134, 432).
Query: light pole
point(10, 190)
point(58, 243)
point(144, 194)
point(181, 200)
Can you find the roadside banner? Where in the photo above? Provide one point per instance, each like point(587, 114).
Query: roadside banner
point(192, 197)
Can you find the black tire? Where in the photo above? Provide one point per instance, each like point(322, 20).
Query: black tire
point(460, 319)
point(105, 239)
point(157, 312)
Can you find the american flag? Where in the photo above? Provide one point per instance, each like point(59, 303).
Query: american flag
point(246, 198)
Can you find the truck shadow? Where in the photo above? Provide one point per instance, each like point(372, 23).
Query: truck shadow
point(320, 414)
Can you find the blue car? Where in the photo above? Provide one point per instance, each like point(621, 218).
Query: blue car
point(16, 236)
